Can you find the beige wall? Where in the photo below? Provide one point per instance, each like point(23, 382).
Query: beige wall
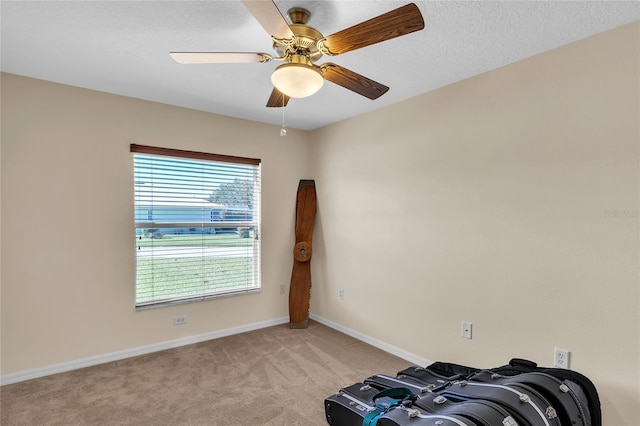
point(67, 215)
point(509, 200)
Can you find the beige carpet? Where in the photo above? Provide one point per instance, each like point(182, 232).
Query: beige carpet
point(273, 376)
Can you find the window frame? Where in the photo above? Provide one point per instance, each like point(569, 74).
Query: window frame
point(254, 223)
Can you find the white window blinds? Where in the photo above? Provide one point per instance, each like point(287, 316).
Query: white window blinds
point(197, 225)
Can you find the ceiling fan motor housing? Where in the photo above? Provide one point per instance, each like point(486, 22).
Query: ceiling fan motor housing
point(306, 37)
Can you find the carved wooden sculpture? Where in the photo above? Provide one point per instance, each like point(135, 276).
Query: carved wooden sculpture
point(300, 289)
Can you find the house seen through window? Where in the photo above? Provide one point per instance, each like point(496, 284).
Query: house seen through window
point(197, 225)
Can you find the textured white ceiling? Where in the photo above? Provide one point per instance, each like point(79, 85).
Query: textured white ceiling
point(122, 47)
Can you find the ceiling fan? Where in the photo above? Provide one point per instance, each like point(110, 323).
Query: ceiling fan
point(299, 46)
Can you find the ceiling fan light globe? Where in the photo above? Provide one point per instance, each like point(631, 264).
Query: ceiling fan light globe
point(297, 80)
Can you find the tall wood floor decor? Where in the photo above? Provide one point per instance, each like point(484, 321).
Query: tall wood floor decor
point(300, 288)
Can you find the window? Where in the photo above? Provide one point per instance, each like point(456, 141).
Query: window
point(197, 225)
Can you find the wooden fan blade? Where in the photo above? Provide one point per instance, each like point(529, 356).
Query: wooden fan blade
point(219, 57)
point(353, 81)
point(398, 22)
point(277, 99)
point(267, 14)
point(300, 288)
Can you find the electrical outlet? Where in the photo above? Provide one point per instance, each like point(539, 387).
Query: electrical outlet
point(561, 358)
point(179, 320)
point(341, 294)
point(466, 329)
point(282, 289)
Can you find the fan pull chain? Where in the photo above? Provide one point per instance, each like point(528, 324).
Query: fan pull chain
point(283, 131)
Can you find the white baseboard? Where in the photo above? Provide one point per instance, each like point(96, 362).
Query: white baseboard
point(128, 353)
point(143, 350)
point(401, 353)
